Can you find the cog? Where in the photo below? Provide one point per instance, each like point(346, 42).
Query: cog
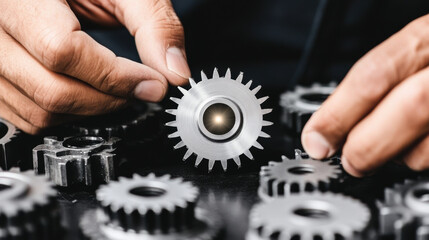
point(149, 208)
point(405, 211)
point(302, 174)
point(309, 216)
point(219, 119)
point(298, 105)
point(85, 160)
point(27, 206)
point(8, 144)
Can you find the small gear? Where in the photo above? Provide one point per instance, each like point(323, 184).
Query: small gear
point(149, 208)
point(126, 124)
point(8, 145)
point(86, 160)
point(310, 216)
point(219, 119)
point(302, 174)
point(27, 207)
point(298, 105)
point(405, 211)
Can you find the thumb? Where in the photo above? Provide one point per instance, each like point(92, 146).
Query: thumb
point(158, 34)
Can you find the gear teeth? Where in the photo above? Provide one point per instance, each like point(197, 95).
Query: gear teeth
point(195, 99)
point(215, 74)
point(176, 100)
point(301, 174)
point(228, 74)
point(9, 146)
point(184, 91)
point(187, 154)
point(192, 82)
point(237, 161)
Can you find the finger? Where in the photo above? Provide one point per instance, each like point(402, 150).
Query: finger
point(51, 91)
point(398, 121)
point(27, 110)
point(20, 123)
point(94, 12)
point(418, 157)
point(370, 79)
point(159, 36)
point(51, 33)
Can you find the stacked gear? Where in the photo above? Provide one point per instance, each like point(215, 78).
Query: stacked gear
point(219, 119)
point(149, 208)
point(404, 213)
point(81, 160)
point(27, 207)
point(309, 216)
point(8, 145)
point(298, 105)
point(301, 174)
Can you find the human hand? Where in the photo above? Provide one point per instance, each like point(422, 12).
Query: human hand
point(52, 72)
point(381, 108)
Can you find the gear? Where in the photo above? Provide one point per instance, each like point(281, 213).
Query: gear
point(303, 173)
point(149, 208)
point(405, 211)
point(309, 216)
point(219, 119)
point(86, 160)
point(27, 207)
point(300, 104)
point(136, 122)
point(8, 145)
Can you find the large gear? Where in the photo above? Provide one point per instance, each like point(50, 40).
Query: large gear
point(219, 119)
point(149, 208)
point(125, 124)
point(298, 105)
point(27, 207)
point(404, 213)
point(85, 160)
point(301, 174)
point(310, 216)
point(8, 145)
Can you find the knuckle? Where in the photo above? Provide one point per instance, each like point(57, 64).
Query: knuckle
point(58, 51)
point(54, 100)
point(39, 119)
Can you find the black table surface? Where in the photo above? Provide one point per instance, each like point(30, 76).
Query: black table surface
point(231, 194)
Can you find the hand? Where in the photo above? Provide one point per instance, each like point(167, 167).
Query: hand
point(52, 72)
point(381, 109)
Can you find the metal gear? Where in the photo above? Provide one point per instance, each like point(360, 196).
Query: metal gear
point(310, 216)
point(125, 124)
point(149, 208)
point(404, 213)
point(8, 156)
point(298, 105)
point(219, 119)
point(302, 174)
point(86, 160)
point(27, 206)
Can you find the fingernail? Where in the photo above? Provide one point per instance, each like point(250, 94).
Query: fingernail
point(316, 145)
point(176, 62)
point(349, 168)
point(149, 90)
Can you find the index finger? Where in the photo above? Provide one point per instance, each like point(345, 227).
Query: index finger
point(51, 33)
point(367, 83)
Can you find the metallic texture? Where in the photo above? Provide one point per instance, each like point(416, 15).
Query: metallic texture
point(82, 160)
point(301, 174)
point(7, 156)
point(298, 105)
point(149, 207)
point(199, 140)
point(124, 123)
point(309, 216)
point(404, 213)
point(27, 206)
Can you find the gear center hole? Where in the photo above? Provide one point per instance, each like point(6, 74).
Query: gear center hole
point(315, 98)
point(148, 191)
point(219, 118)
point(82, 142)
point(301, 170)
point(422, 195)
point(3, 130)
point(312, 213)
